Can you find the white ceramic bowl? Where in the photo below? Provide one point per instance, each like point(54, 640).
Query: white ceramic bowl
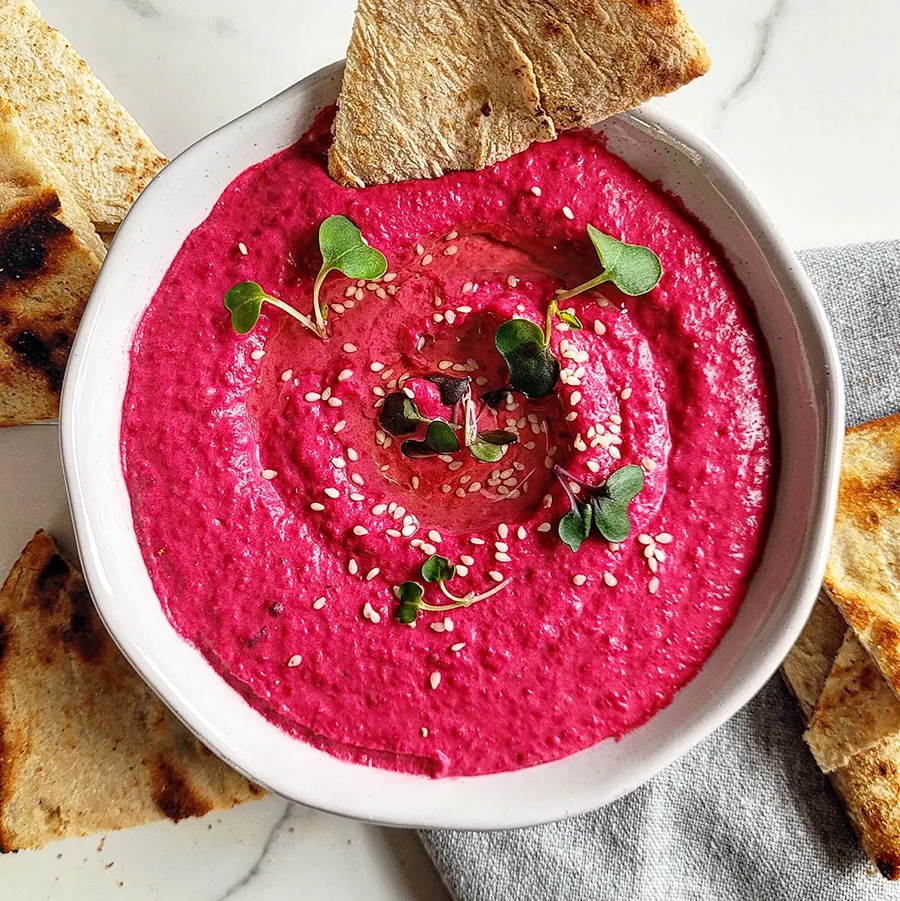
point(810, 414)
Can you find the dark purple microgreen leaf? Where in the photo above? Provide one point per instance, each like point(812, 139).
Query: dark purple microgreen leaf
point(410, 595)
point(533, 369)
point(497, 397)
point(438, 569)
point(399, 415)
point(244, 302)
point(486, 452)
point(416, 450)
point(499, 436)
point(452, 389)
point(575, 526)
point(624, 485)
point(611, 519)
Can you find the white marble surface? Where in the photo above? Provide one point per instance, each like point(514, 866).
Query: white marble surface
point(804, 97)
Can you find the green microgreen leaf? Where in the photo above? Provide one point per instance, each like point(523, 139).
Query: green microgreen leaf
point(438, 569)
point(499, 436)
point(451, 389)
point(497, 397)
point(344, 249)
point(533, 369)
point(575, 526)
point(441, 438)
point(244, 302)
point(399, 415)
point(485, 451)
point(632, 268)
point(570, 319)
point(410, 595)
point(611, 518)
point(624, 485)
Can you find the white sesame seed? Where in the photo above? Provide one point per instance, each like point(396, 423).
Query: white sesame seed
point(435, 536)
point(450, 316)
point(394, 533)
point(664, 538)
point(496, 576)
point(648, 464)
point(350, 348)
point(390, 276)
point(332, 492)
point(475, 540)
point(358, 294)
point(257, 354)
point(345, 374)
point(357, 479)
point(449, 251)
point(521, 533)
point(352, 567)
point(340, 426)
point(269, 474)
point(376, 366)
point(644, 538)
point(512, 281)
point(610, 580)
point(438, 317)
point(338, 307)
point(420, 249)
point(338, 463)
point(503, 528)
point(626, 393)
point(458, 646)
point(355, 496)
point(446, 489)
point(462, 569)
point(326, 393)
point(460, 492)
point(426, 260)
point(579, 580)
point(536, 191)
point(427, 548)
point(352, 454)
point(544, 527)
point(415, 482)
point(451, 236)
point(436, 627)
point(615, 453)
point(501, 546)
point(455, 465)
point(360, 530)
point(571, 417)
point(467, 287)
point(319, 603)
point(374, 571)
point(464, 309)
point(660, 555)
point(567, 212)
point(312, 397)
point(654, 566)
point(593, 466)
point(575, 398)
point(500, 557)
point(296, 660)
point(653, 585)
point(599, 327)
point(434, 679)
point(378, 391)
point(317, 507)
point(424, 731)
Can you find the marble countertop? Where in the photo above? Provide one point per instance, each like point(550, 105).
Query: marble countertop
point(803, 97)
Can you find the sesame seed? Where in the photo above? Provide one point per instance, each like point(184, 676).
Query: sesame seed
point(296, 660)
point(394, 533)
point(501, 546)
point(317, 507)
point(350, 348)
point(644, 538)
point(345, 374)
point(599, 327)
point(626, 393)
point(436, 627)
point(571, 417)
point(579, 580)
point(593, 466)
point(420, 249)
point(438, 317)
point(378, 391)
point(355, 496)
point(269, 474)
point(257, 354)
point(340, 426)
point(358, 294)
point(319, 603)
point(610, 580)
point(467, 287)
point(464, 309)
point(353, 454)
point(326, 393)
point(427, 548)
point(451, 236)
point(390, 276)
point(567, 212)
point(350, 291)
point(424, 731)
point(500, 557)
point(372, 573)
point(426, 260)
point(455, 465)
point(660, 555)
point(544, 527)
point(536, 191)
point(352, 567)
point(376, 366)
point(435, 536)
point(338, 463)
point(512, 281)
point(338, 308)
point(462, 569)
point(653, 585)
point(460, 492)
point(335, 402)
point(312, 397)
point(446, 489)
point(415, 483)
point(654, 566)
point(332, 492)
point(664, 538)
point(575, 398)
point(434, 679)
point(503, 528)
point(458, 646)
point(648, 464)
point(496, 576)
point(450, 316)
point(360, 530)
point(475, 540)
point(465, 558)
point(615, 453)
point(449, 251)
point(521, 533)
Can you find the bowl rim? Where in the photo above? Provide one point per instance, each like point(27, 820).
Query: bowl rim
point(98, 559)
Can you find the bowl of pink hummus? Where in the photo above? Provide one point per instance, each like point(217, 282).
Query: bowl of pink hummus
point(354, 543)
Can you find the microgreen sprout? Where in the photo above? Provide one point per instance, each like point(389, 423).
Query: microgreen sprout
point(343, 249)
point(632, 268)
point(437, 570)
point(533, 369)
point(604, 508)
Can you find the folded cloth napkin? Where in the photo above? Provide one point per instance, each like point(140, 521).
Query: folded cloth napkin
point(746, 814)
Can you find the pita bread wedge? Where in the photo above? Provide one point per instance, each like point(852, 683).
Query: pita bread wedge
point(856, 709)
point(442, 85)
point(863, 572)
point(50, 256)
point(100, 149)
point(85, 746)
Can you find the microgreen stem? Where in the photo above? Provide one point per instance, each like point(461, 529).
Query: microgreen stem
point(305, 320)
point(319, 327)
point(471, 597)
point(587, 286)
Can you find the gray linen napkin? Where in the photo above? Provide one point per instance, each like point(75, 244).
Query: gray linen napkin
point(746, 814)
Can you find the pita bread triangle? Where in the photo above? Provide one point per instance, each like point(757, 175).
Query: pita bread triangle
point(50, 256)
point(863, 572)
point(85, 745)
point(438, 85)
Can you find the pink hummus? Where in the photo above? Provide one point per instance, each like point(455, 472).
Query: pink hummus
point(271, 510)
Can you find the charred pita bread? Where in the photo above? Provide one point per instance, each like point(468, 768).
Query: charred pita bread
point(856, 709)
point(85, 745)
point(99, 148)
point(442, 85)
point(863, 572)
point(50, 256)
